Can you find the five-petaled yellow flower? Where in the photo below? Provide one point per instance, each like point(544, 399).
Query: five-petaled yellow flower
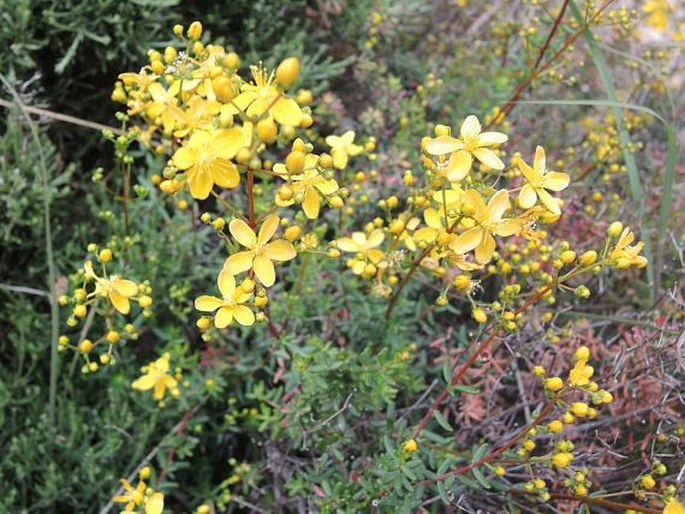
point(262, 96)
point(489, 221)
point(674, 507)
point(229, 306)
point(311, 184)
point(624, 255)
point(471, 143)
point(538, 180)
point(118, 290)
point(365, 246)
point(132, 496)
point(343, 147)
point(206, 159)
point(260, 252)
point(157, 376)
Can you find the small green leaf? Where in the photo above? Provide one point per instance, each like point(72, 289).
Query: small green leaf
point(442, 421)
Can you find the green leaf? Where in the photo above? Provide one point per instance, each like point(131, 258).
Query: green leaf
point(442, 421)
point(466, 389)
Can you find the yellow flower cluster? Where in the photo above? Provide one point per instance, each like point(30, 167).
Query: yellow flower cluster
point(140, 496)
point(218, 129)
point(108, 295)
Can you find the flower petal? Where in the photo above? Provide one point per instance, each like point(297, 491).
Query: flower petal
point(120, 302)
point(280, 250)
point(540, 161)
point(239, 262)
point(184, 157)
point(226, 283)
point(459, 166)
point(485, 250)
point(468, 240)
point(556, 181)
point(287, 112)
point(144, 383)
point(442, 145)
point(470, 127)
point(311, 204)
point(489, 158)
point(492, 138)
point(242, 233)
point(224, 173)
point(264, 270)
point(206, 303)
point(268, 228)
point(527, 197)
point(127, 288)
point(375, 238)
point(243, 315)
point(154, 504)
point(347, 244)
point(549, 201)
point(199, 183)
point(226, 143)
point(223, 317)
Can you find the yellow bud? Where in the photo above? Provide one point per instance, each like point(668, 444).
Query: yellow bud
point(410, 446)
point(479, 315)
point(588, 258)
point(529, 445)
point(647, 482)
point(105, 255)
point(247, 285)
point(178, 30)
point(580, 409)
point(333, 253)
point(304, 97)
point(568, 256)
point(267, 131)
point(500, 471)
point(581, 354)
point(294, 162)
point(231, 61)
point(223, 89)
point(195, 31)
point(219, 224)
point(170, 54)
point(556, 426)
point(105, 358)
point(80, 311)
point(562, 460)
point(244, 155)
point(144, 473)
point(336, 202)
point(287, 71)
point(157, 67)
point(615, 229)
point(113, 336)
point(461, 282)
point(144, 301)
point(118, 95)
point(554, 384)
point(261, 301)
point(325, 161)
point(580, 490)
point(292, 233)
point(203, 323)
point(85, 346)
point(442, 130)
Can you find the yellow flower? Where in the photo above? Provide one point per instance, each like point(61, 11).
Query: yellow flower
point(156, 376)
point(658, 12)
point(164, 104)
point(229, 305)
point(488, 222)
point(205, 157)
point(580, 374)
point(366, 247)
point(118, 290)
point(260, 252)
point(343, 147)
point(538, 181)
point(260, 96)
point(131, 497)
point(310, 183)
point(674, 507)
point(624, 255)
point(472, 143)
point(410, 446)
